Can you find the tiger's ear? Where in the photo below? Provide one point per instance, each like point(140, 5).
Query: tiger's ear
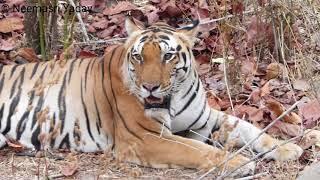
point(131, 26)
point(190, 30)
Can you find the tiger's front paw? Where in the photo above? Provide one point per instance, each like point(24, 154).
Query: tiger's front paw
point(235, 164)
point(285, 152)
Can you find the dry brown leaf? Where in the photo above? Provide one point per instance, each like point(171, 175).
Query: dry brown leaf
point(248, 67)
point(121, 6)
point(274, 70)
point(310, 111)
point(277, 109)
point(282, 128)
point(88, 3)
point(252, 113)
point(10, 24)
point(16, 146)
point(7, 45)
point(107, 32)
point(265, 90)
point(101, 24)
point(213, 101)
point(70, 169)
point(28, 54)
point(87, 54)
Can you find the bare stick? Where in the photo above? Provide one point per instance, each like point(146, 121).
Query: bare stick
point(109, 41)
point(84, 30)
point(252, 140)
point(253, 176)
point(226, 80)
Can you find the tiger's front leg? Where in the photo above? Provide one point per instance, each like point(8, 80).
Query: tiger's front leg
point(242, 132)
point(170, 151)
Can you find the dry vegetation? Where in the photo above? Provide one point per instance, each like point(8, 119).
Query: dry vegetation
point(276, 44)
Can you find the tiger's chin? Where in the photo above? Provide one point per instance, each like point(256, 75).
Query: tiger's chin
point(152, 102)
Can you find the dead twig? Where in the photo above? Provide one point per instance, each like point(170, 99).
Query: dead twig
point(253, 176)
point(109, 41)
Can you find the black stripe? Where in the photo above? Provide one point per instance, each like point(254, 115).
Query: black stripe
point(103, 84)
point(62, 102)
point(95, 60)
point(53, 140)
point(35, 138)
point(165, 42)
point(13, 88)
point(21, 126)
point(114, 97)
point(71, 69)
point(144, 38)
point(145, 32)
point(2, 82)
point(205, 124)
point(21, 80)
point(81, 60)
point(164, 37)
point(36, 110)
point(13, 69)
point(98, 128)
point(12, 108)
point(86, 113)
point(97, 110)
point(43, 71)
point(189, 90)
point(54, 123)
point(65, 141)
point(199, 116)
point(86, 74)
point(1, 67)
point(1, 113)
point(34, 70)
point(178, 48)
point(190, 100)
point(184, 57)
point(168, 31)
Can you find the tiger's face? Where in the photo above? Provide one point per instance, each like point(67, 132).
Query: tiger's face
point(158, 59)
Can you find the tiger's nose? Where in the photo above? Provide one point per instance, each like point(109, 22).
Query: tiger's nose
point(150, 87)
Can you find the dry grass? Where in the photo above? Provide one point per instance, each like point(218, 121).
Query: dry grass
point(104, 166)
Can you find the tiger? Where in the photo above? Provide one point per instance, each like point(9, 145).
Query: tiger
point(135, 100)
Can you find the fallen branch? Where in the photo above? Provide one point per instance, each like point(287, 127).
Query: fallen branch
point(252, 140)
point(109, 41)
point(253, 176)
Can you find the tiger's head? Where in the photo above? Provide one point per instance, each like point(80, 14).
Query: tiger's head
point(158, 60)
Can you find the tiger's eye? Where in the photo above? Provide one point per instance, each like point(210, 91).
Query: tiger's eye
point(137, 57)
point(168, 56)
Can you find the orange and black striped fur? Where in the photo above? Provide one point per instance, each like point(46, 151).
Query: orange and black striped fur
point(132, 99)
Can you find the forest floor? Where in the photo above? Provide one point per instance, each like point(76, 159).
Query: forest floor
point(272, 54)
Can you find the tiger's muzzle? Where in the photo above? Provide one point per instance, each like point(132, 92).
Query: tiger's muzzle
point(153, 100)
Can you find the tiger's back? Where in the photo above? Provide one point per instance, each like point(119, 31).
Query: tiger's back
point(53, 104)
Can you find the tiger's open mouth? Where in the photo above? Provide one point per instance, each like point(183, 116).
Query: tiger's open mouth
point(155, 102)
